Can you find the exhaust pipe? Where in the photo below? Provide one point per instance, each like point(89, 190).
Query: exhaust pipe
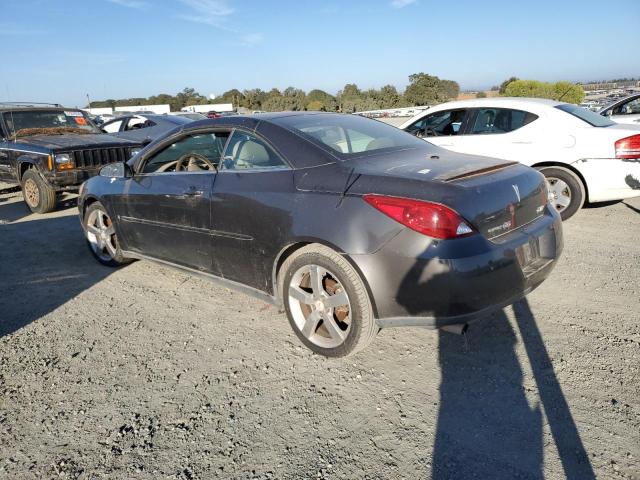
point(458, 329)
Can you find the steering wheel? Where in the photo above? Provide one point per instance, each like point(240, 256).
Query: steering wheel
point(195, 161)
point(426, 132)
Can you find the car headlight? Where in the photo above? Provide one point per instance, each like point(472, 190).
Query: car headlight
point(64, 161)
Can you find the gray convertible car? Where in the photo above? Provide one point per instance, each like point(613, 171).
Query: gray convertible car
point(350, 224)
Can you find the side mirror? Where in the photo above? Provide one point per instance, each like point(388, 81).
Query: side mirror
point(116, 170)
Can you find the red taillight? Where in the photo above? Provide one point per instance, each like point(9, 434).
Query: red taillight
point(431, 219)
point(628, 147)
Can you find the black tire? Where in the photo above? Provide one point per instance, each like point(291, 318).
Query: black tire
point(37, 193)
point(113, 258)
point(575, 189)
point(362, 327)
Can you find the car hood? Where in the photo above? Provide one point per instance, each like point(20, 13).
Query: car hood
point(76, 141)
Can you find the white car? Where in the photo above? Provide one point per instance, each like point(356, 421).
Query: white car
point(626, 110)
point(585, 156)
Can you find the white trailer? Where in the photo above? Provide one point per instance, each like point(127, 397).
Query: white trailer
point(216, 107)
point(158, 109)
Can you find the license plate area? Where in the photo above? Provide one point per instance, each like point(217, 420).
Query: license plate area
point(529, 257)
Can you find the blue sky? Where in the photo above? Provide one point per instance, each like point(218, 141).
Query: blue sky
point(61, 50)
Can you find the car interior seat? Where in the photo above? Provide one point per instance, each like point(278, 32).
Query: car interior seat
point(248, 153)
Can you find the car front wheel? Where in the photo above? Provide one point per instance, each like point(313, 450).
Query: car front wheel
point(326, 302)
point(566, 192)
point(101, 236)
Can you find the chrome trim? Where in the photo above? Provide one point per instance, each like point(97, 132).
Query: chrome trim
point(24, 151)
point(205, 231)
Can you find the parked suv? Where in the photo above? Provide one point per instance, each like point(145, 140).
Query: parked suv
point(48, 149)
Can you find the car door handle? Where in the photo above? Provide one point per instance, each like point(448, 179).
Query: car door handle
point(193, 192)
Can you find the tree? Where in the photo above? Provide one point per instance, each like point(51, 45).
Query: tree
point(321, 100)
point(233, 96)
point(503, 86)
point(563, 91)
point(568, 92)
point(426, 89)
point(481, 95)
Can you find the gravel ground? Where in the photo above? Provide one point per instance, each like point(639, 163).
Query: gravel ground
point(146, 373)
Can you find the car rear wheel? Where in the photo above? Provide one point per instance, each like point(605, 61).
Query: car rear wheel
point(38, 195)
point(566, 191)
point(101, 236)
point(326, 302)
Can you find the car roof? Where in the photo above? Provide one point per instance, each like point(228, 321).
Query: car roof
point(248, 121)
point(499, 101)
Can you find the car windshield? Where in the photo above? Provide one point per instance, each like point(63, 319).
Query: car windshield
point(348, 134)
point(592, 118)
point(47, 122)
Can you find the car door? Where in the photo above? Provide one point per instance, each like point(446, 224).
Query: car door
point(250, 209)
point(168, 200)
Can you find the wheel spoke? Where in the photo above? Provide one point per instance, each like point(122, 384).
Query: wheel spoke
point(110, 230)
point(300, 295)
point(563, 200)
point(110, 248)
point(332, 327)
point(337, 300)
point(93, 229)
point(316, 274)
point(311, 324)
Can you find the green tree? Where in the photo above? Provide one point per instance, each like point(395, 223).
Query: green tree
point(321, 100)
point(426, 89)
point(568, 92)
point(503, 86)
point(481, 95)
point(562, 91)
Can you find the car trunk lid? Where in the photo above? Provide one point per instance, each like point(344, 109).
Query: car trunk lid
point(495, 196)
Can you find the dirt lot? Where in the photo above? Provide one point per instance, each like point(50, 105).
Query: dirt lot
point(146, 372)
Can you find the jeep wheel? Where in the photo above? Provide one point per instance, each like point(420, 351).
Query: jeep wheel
point(38, 195)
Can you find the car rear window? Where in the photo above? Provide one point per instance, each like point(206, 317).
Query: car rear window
point(347, 135)
point(592, 118)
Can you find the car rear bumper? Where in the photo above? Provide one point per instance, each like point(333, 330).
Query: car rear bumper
point(415, 281)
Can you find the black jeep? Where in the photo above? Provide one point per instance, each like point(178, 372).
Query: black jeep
point(48, 149)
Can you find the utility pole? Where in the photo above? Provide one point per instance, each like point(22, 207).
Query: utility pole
point(88, 101)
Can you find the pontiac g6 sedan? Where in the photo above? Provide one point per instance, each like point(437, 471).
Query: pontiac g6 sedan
point(350, 224)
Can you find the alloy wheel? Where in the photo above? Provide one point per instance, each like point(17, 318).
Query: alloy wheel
point(101, 235)
point(31, 193)
point(320, 306)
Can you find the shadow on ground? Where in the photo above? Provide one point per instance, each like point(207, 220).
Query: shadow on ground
point(486, 426)
point(44, 263)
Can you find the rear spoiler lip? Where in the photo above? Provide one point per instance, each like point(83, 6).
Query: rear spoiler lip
point(453, 176)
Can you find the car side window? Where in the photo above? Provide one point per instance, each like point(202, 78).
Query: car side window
point(247, 151)
point(447, 122)
point(629, 108)
point(112, 127)
point(193, 153)
point(500, 120)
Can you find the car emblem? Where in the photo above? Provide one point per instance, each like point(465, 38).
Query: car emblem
point(517, 190)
